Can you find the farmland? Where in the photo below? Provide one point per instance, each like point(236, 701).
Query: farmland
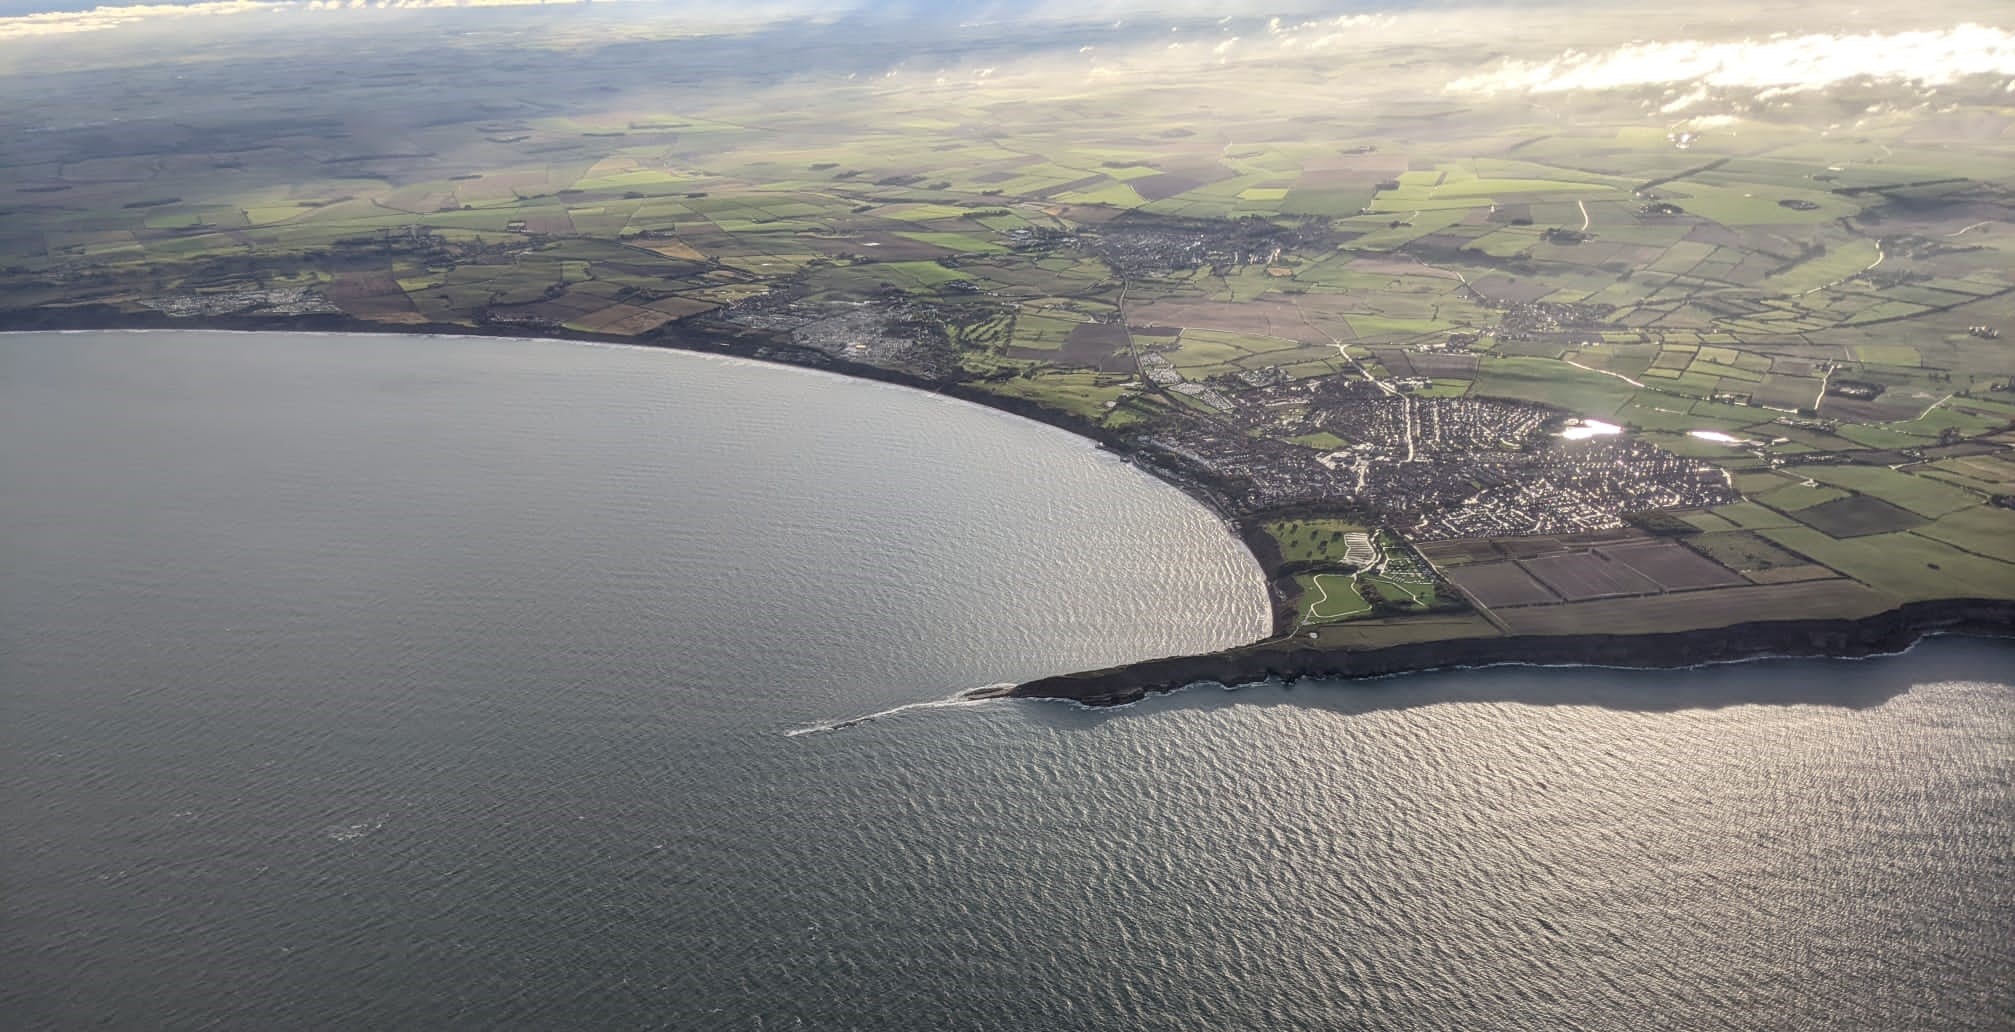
point(1539, 361)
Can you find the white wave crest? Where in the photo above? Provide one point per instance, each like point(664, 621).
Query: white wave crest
point(970, 697)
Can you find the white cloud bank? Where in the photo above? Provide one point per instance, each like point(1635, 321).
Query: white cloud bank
point(62, 22)
point(1779, 64)
point(712, 15)
point(58, 23)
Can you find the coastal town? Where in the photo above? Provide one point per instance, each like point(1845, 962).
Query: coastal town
point(1434, 467)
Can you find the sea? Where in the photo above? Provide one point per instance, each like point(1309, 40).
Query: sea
point(400, 682)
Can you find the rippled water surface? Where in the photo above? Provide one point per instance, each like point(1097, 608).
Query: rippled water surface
point(391, 682)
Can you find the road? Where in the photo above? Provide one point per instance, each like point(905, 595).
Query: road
point(1606, 372)
point(1879, 256)
point(1319, 603)
point(1405, 400)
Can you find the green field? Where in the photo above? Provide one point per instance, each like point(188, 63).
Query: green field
point(1583, 393)
point(1322, 441)
point(1332, 596)
point(1988, 532)
point(1920, 495)
point(1312, 540)
point(1905, 565)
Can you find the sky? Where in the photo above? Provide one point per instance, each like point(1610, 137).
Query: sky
point(969, 10)
point(1693, 57)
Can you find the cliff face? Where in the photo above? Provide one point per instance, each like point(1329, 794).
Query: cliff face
point(1883, 633)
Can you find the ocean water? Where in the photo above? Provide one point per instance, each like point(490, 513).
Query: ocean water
point(392, 682)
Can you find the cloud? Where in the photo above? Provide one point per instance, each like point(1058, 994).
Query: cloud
point(1697, 95)
point(1322, 34)
point(62, 22)
point(707, 15)
point(1780, 64)
point(57, 23)
point(711, 15)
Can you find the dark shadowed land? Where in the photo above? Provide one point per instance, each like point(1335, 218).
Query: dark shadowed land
point(1763, 637)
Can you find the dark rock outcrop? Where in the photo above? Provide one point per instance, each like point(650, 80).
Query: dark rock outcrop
point(1881, 634)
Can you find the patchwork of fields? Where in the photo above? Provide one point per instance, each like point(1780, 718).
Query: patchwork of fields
point(1381, 315)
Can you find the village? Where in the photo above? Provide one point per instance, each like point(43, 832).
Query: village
point(1435, 468)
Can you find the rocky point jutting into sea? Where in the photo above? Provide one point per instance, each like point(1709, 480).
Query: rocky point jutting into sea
point(1882, 634)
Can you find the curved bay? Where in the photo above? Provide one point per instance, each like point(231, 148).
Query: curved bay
point(389, 681)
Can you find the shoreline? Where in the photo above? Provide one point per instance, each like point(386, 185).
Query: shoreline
point(1889, 632)
point(1276, 656)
